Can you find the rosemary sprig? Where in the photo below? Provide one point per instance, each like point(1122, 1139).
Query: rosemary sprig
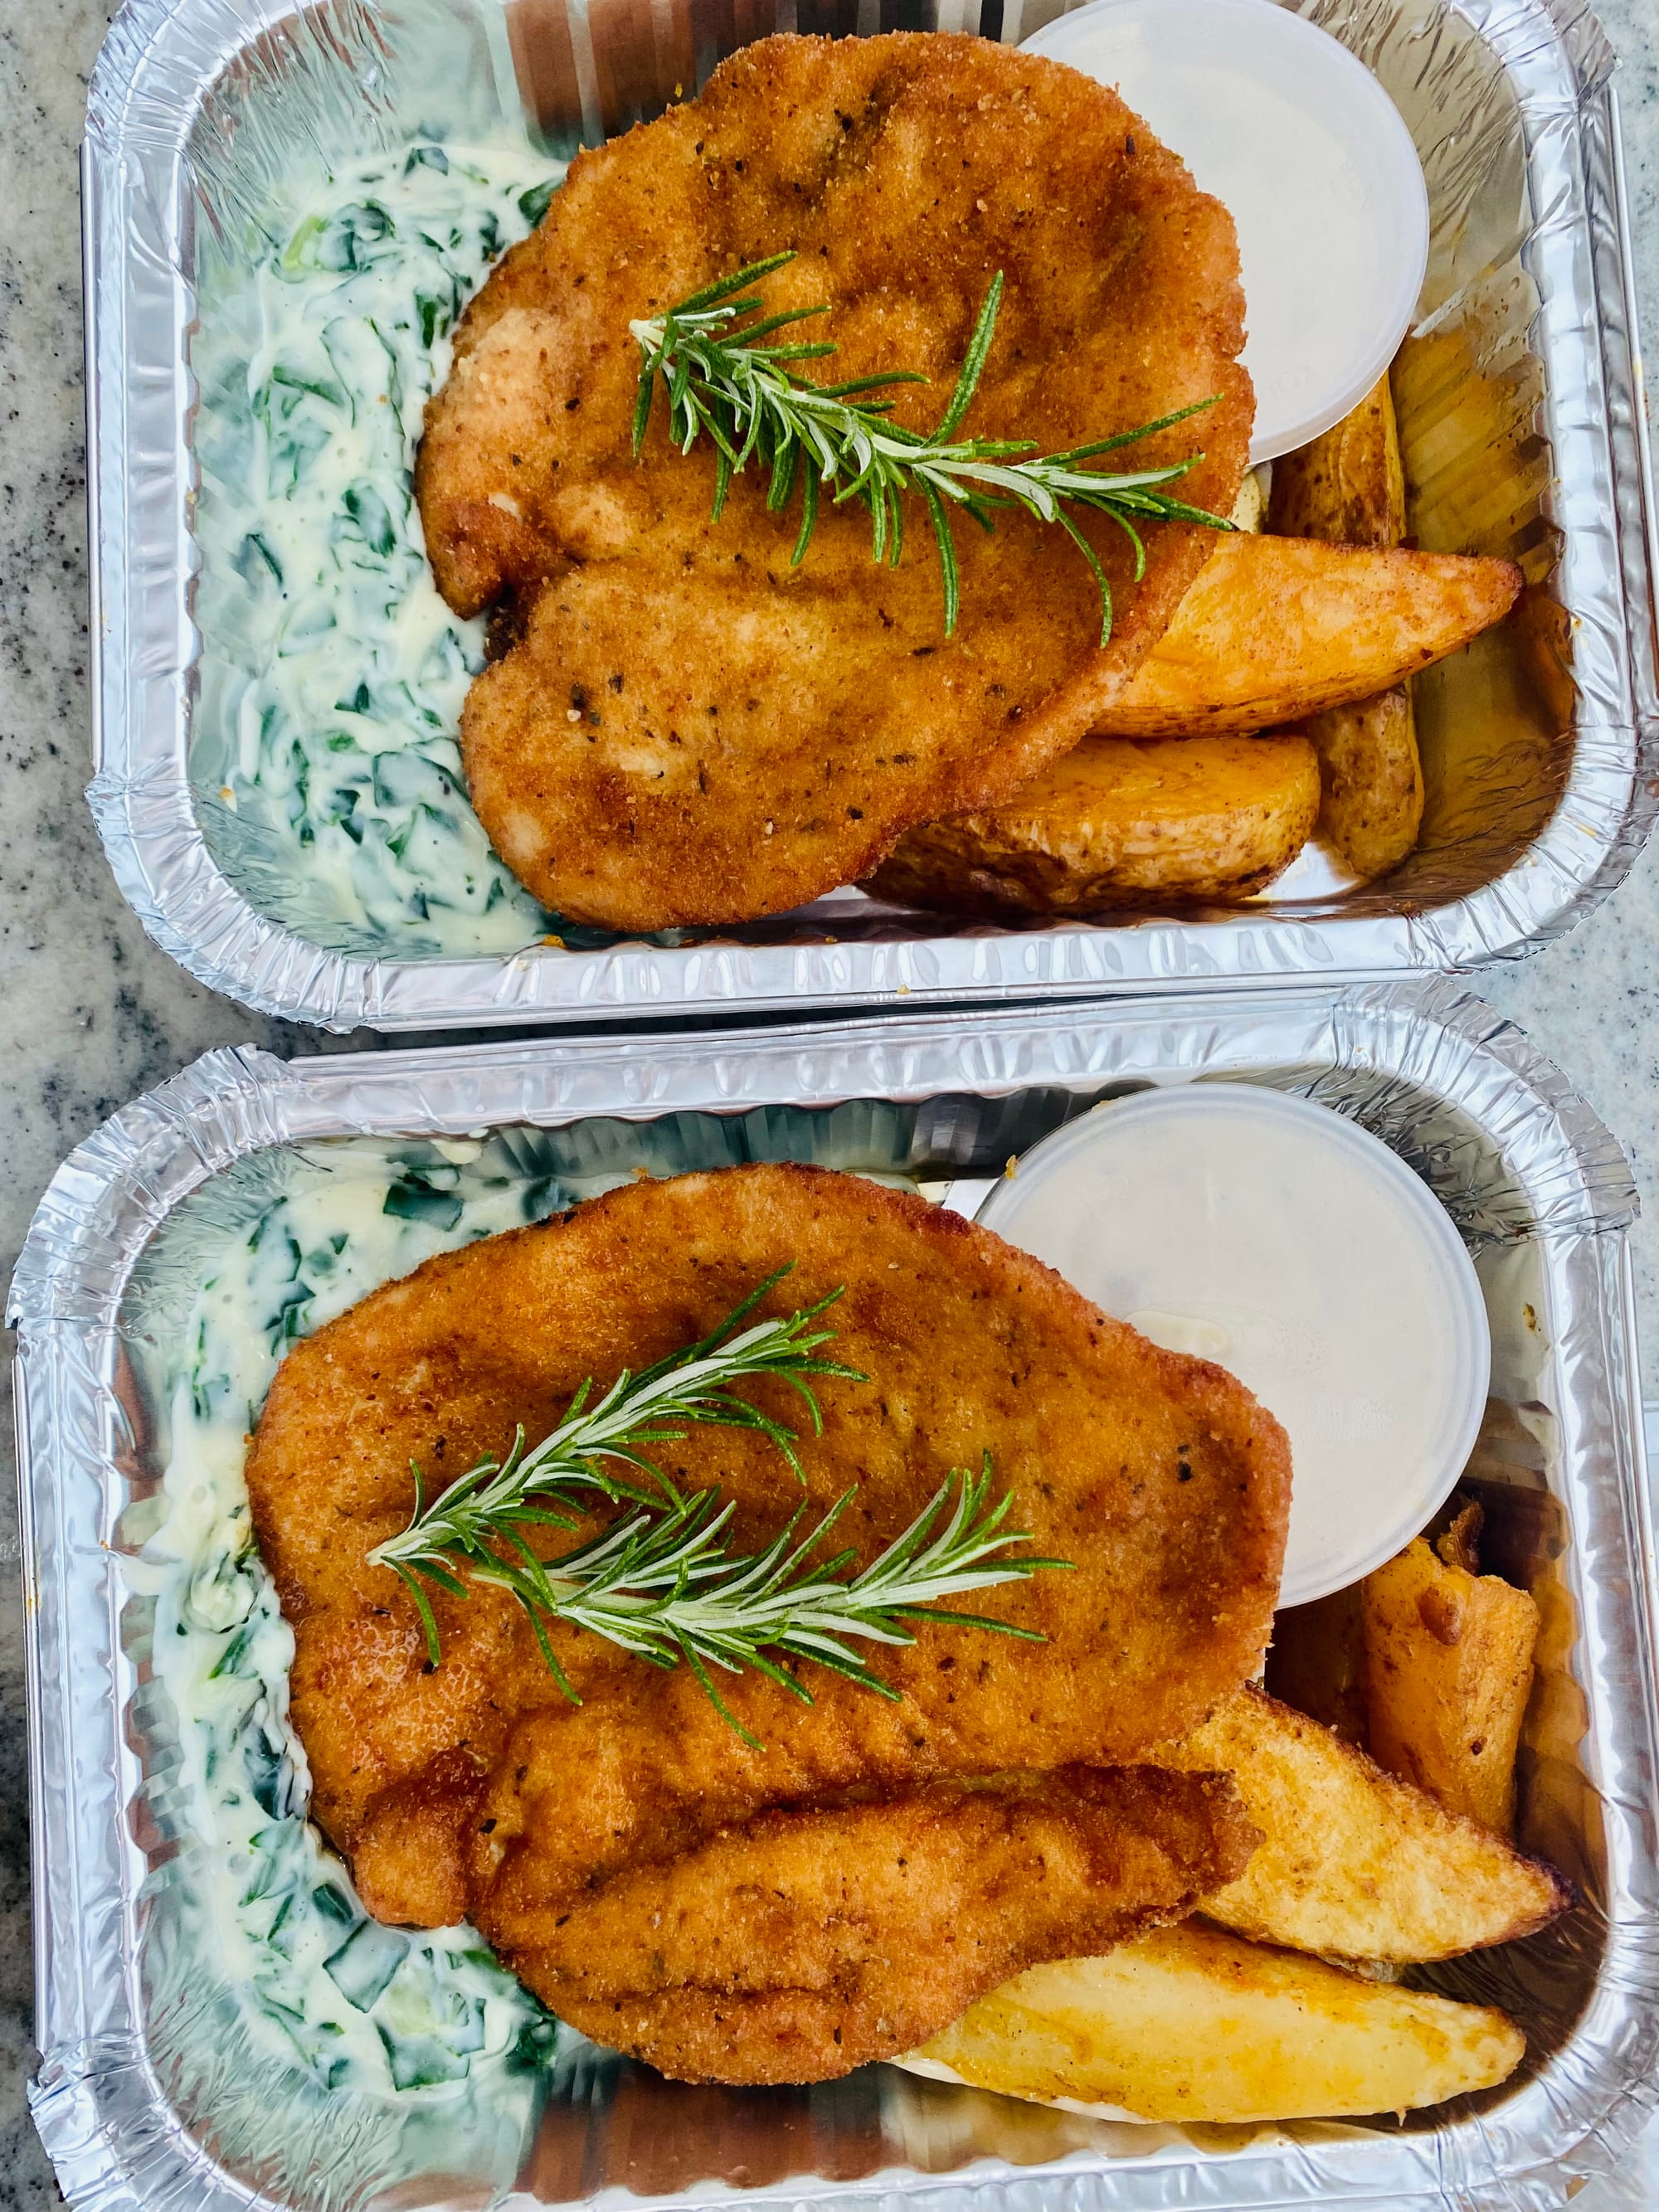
point(659, 1581)
point(491, 1500)
point(665, 1590)
point(752, 403)
point(661, 1586)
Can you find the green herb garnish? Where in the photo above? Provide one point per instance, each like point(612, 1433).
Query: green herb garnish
point(658, 1582)
point(752, 403)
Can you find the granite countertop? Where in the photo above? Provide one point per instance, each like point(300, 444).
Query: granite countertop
point(91, 1013)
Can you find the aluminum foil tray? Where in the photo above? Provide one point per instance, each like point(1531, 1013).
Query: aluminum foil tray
point(135, 2114)
point(1521, 432)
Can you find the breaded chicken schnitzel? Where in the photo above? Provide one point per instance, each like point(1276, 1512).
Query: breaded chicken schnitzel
point(801, 1944)
point(475, 1788)
point(688, 729)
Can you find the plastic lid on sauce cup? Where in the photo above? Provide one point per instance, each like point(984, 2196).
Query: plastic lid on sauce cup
point(1291, 1247)
point(1300, 141)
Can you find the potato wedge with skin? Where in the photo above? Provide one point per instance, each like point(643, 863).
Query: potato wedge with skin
point(1372, 779)
point(1352, 1862)
point(1459, 1543)
point(1191, 2024)
point(1119, 821)
point(1274, 629)
point(1448, 1671)
point(1345, 486)
point(1348, 488)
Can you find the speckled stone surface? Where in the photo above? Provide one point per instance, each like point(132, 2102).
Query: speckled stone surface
point(91, 1013)
point(1591, 1001)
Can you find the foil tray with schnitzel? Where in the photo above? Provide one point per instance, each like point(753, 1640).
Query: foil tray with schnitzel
point(321, 828)
point(755, 1814)
point(687, 727)
point(745, 1886)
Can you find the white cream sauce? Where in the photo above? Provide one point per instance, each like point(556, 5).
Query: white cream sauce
point(355, 2004)
point(1291, 1248)
point(324, 753)
point(1307, 153)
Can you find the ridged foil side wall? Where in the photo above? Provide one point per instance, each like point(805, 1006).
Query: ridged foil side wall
point(1542, 1195)
point(1520, 429)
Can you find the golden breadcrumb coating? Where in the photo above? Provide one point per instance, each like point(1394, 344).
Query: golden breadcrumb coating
point(476, 1789)
point(687, 729)
point(798, 1945)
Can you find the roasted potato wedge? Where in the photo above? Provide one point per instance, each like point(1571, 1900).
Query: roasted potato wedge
point(1459, 1542)
point(1371, 780)
point(1121, 820)
point(1352, 1862)
point(1345, 486)
point(1250, 507)
point(1192, 2024)
point(1275, 629)
point(1448, 1671)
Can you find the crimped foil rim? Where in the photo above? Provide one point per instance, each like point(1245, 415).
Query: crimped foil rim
point(98, 2108)
point(1558, 61)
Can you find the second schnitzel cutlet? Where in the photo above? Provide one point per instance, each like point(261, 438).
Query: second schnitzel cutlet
point(474, 1788)
point(800, 1943)
point(688, 728)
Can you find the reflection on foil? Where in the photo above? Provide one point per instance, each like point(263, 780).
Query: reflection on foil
point(1520, 428)
point(128, 1227)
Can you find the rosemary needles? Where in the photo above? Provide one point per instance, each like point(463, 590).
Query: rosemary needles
point(659, 1581)
point(495, 1500)
point(752, 403)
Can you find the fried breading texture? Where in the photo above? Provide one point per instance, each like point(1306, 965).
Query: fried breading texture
point(690, 728)
point(798, 1945)
point(476, 1788)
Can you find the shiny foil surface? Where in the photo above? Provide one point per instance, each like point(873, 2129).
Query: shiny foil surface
point(139, 2108)
point(1521, 432)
